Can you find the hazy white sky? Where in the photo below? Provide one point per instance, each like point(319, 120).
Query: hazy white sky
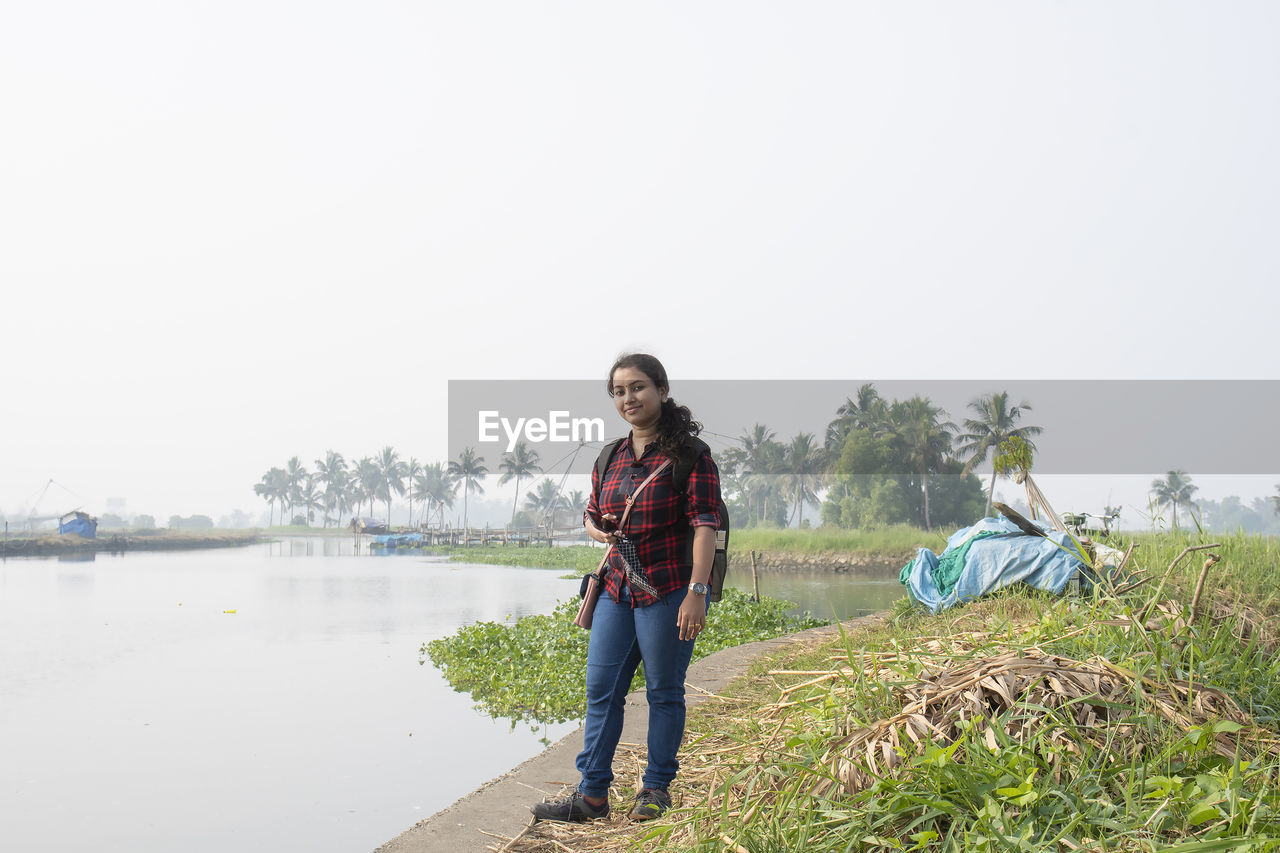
point(235, 232)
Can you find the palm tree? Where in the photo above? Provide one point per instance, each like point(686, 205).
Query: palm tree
point(469, 470)
point(309, 499)
point(517, 465)
point(925, 442)
point(545, 502)
point(867, 411)
point(996, 421)
point(295, 474)
point(761, 459)
point(412, 471)
point(272, 487)
point(1174, 489)
point(577, 502)
point(391, 471)
point(436, 487)
point(331, 472)
point(371, 483)
point(803, 463)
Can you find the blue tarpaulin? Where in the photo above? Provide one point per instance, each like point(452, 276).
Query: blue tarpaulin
point(991, 554)
point(80, 523)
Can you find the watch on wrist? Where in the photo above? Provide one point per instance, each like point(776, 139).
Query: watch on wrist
point(699, 588)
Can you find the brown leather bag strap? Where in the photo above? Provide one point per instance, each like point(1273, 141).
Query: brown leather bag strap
point(631, 498)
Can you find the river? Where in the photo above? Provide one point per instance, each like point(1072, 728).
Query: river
point(263, 698)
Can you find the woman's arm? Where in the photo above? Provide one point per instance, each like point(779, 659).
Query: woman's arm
point(693, 610)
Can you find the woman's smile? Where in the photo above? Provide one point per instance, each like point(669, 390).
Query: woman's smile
point(637, 399)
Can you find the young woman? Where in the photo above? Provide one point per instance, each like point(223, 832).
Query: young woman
point(654, 601)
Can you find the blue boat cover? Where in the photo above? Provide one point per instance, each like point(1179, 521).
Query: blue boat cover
point(991, 554)
point(399, 540)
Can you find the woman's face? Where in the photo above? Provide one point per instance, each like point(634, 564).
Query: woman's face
point(637, 399)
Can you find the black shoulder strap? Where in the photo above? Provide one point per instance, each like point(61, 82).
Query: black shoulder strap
point(693, 448)
point(605, 457)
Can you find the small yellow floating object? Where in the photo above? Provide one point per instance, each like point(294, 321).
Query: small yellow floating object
point(228, 611)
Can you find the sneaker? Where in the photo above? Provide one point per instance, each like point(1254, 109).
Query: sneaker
point(570, 809)
point(650, 803)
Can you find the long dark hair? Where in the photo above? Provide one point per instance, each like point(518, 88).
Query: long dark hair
point(676, 422)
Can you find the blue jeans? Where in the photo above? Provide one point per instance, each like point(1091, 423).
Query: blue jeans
point(621, 637)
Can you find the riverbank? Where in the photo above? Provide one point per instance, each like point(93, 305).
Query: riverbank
point(131, 540)
point(583, 558)
point(1143, 716)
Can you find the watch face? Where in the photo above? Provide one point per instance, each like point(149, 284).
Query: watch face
point(699, 588)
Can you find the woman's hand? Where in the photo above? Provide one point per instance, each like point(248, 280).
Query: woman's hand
point(609, 537)
point(692, 616)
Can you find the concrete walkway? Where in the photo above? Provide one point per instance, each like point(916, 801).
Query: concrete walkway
point(501, 806)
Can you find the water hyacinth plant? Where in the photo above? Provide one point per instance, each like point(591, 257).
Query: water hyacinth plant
point(533, 670)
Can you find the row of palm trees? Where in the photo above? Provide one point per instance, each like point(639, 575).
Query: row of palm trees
point(769, 480)
point(336, 487)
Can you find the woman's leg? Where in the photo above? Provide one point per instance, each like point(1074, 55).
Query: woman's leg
point(666, 661)
point(612, 657)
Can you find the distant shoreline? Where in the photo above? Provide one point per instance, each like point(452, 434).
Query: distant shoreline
point(53, 544)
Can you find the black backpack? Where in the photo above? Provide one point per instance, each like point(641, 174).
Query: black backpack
point(693, 448)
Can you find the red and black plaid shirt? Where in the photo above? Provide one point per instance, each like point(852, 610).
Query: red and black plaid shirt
point(660, 519)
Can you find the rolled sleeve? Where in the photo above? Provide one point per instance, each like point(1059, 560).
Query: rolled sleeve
point(704, 493)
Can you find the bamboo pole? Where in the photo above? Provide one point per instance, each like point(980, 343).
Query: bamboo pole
point(755, 579)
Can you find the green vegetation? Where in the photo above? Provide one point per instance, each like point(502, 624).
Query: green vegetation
point(533, 670)
point(579, 558)
point(1141, 716)
point(894, 539)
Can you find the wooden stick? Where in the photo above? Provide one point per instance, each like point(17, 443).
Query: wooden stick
point(1142, 617)
point(1204, 572)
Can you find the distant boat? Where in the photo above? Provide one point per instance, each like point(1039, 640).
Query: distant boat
point(369, 525)
point(79, 523)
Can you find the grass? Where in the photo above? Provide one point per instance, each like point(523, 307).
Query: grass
point(1124, 719)
point(895, 540)
point(577, 558)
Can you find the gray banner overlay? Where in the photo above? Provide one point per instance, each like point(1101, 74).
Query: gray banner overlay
point(1090, 426)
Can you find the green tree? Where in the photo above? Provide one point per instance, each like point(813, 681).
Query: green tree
point(274, 486)
point(391, 474)
point(412, 470)
point(924, 440)
point(438, 489)
point(310, 499)
point(804, 463)
point(865, 410)
point(996, 421)
point(369, 477)
point(544, 502)
point(518, 465)
point(760, 460)
point(468, 469)
point(331, 473)
point(1175, 490)
point(295, 474)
